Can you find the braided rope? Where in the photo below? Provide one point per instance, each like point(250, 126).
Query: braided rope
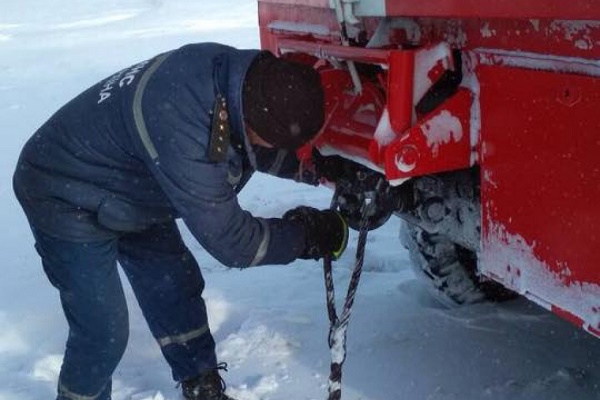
point(339, 325)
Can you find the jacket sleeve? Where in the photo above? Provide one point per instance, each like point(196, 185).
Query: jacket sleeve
point(171, 111)
point(209, 207)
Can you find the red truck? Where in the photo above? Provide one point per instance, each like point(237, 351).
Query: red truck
point(476, 122)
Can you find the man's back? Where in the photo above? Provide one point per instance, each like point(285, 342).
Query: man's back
point(88, 168)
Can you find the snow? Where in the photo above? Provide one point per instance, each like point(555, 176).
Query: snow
point(270, 323)
point(381, 36)
point(486, 32)
point(523, 59)
point(441, 129)
point(578, 32)
point(296, 27)
point(471, 82)
point(384, 134)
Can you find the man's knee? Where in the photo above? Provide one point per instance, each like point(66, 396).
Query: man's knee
point(99, 340)
point(110, 339)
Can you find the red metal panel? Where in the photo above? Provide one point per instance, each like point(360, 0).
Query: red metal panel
point(272, 12)
point(573, 9)
point(562, 9)
point(351, 118)
point(540, 153)
point(547, 36)
point(400, 90)
point(438, 142)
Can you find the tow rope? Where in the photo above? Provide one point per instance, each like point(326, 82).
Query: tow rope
point(339, 325)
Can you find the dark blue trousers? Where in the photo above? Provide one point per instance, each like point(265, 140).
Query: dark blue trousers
point(168, 285)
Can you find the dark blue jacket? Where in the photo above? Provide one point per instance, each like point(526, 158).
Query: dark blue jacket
point(131, 151)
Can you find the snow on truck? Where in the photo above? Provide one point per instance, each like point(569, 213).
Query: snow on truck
point(476, 122)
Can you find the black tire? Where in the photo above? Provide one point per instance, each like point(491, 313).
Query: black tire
point(449, 269)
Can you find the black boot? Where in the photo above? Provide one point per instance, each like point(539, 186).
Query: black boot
point(208, 386)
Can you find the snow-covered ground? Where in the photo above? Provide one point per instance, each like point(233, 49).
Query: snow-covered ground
point(270, 322)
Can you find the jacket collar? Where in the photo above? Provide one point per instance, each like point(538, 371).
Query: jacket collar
point(237, 66)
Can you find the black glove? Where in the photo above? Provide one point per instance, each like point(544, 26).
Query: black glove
point(326, 232)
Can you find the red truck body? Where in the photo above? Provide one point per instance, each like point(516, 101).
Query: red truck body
point(526, 112)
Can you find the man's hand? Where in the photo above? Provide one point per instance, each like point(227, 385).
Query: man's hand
point(326, 231)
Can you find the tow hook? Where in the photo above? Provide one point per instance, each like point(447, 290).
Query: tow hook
point(371, 188)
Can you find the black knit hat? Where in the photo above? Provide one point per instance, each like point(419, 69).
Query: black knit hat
point(282, 101)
